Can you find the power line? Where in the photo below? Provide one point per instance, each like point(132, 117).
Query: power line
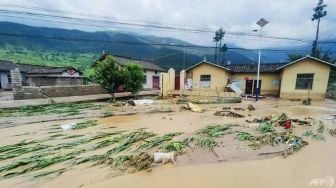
point(139, 43)
point(195, 30)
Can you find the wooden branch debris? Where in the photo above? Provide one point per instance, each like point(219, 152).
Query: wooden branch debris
point(228, 113)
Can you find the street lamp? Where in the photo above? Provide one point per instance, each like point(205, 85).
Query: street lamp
point(262, 22)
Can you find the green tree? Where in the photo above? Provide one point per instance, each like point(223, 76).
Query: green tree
point(221, 34)
point(216, 40)
point(109, 74)
point(136, 77)
point(319, 13)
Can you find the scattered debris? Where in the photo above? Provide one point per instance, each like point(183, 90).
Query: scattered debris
point(250, 107)
point(228, 113)
point(160, 157)
point(80, 125)
point(301, 122)
point(143, 102)
point(266, 127)
point(306, 101)
point(227, 108)
point(332, 132)
point(193, 107)
point(160, 110)
point(239, 109)
point(244, 136)
point(329, 117)
point(131, 102)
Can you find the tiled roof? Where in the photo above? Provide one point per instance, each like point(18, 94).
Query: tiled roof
point(7, 65)
point(32, 69)
point(147, 65)
point(251, 68)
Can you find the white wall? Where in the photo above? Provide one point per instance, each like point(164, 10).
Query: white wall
point(149, 79)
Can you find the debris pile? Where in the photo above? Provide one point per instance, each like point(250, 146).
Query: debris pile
point(192, 107)
point(250, 107)
point(228, 113)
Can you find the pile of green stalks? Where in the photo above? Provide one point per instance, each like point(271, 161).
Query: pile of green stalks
point(127, 140)
point(244, 136)
point(133, 163)
point(85, 124)
point(319, 134)
point(208, 143)
point(34, 164)
point(18, 145)
point(156, 141)
point(266, 127)
point(294, 142)
point(174, 146)
point(215, 130)
point(65, 108)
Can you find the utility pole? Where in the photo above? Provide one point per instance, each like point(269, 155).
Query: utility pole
point(262, 22)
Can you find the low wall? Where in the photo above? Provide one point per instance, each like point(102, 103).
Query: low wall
point(29, 92)
point(53, 81)
point(293, 95)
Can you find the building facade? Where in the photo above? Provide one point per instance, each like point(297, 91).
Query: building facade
point(35, 75)
point(295, 80)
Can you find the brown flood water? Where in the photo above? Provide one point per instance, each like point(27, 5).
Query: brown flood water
point(315, 161)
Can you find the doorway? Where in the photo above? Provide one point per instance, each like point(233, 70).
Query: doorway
point(156, 82)
point(251, 86)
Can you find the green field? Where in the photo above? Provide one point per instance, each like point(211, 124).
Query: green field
point(81, 61)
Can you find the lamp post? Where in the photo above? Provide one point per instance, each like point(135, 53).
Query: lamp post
point(262, 22)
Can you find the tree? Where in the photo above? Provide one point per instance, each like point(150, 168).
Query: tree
point(224, 49)
point(216, 40)
point(319, 13)
point(136, 77)
point(109, 74)
point(221, 34)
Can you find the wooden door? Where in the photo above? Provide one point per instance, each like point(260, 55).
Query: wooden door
point(177, 81)
point(248, 87)
point(156, 82)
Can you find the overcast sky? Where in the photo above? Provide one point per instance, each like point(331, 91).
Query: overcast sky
point(288, 18)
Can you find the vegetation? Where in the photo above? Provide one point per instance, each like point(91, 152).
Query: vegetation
point(85, 124)
point(65, 108)
point(319, 13)
point(136, 77)
point(110, 75)
point(215, 130)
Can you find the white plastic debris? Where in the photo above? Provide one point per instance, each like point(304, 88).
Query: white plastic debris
point(161, 157)
point(144, 102)
point(67, 126)
point(329, 117)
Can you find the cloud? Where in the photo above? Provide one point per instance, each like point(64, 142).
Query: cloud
point(287, 18)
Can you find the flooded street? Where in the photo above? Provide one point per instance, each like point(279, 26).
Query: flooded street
point(231, 164)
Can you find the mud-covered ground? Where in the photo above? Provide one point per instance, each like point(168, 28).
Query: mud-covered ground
point(232, 162)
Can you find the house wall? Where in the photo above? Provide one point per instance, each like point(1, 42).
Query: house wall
point(148, 85)
point(53, 81)
point(268, 87)
point(219, 77)
point(320, 82)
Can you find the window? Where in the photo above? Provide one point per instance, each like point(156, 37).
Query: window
point(205, 78)
point(304, 81)
point(205, 81)
point(155, 72)
point(145, 79)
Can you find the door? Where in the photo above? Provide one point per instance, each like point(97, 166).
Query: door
point(248, 87)
point(177, 81)
point(255, 86)
point(156, 82)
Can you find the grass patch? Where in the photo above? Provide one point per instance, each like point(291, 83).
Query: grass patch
point(266, 128)
point(208, 143)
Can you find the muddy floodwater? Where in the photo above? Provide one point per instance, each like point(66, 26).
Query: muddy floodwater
point(230, 164)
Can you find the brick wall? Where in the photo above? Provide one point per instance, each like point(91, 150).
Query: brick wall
point(30, 92)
